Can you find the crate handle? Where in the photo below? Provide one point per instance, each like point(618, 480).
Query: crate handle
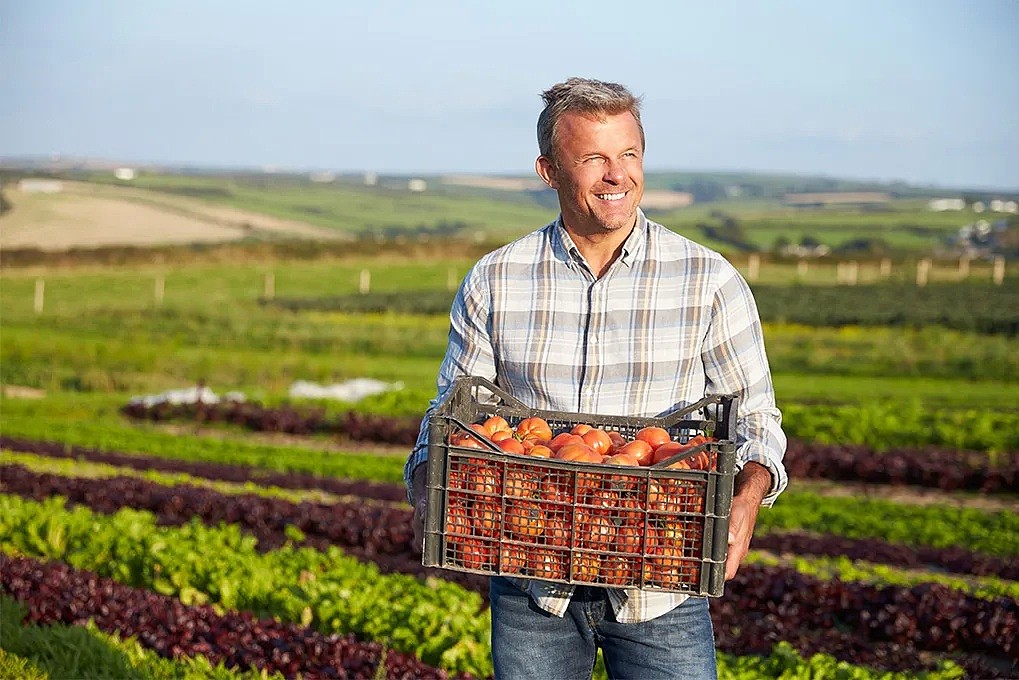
point(725, 420)
point(676, 415)
point(477, 435)
point(478, 381)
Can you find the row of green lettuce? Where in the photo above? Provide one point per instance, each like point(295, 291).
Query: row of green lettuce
point(826, 568)
point(440, 622)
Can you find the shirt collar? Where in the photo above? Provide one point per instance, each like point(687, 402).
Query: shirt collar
point(567, 251)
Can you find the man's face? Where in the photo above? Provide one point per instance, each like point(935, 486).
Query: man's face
point(599, 173)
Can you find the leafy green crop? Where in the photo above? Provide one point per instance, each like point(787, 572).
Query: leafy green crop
point(937, 526)
point(440, 622)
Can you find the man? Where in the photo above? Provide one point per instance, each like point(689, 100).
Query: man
point(604, 311)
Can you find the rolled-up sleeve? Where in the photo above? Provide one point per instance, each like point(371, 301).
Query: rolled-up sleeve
point(469, 352)
point(735, 362)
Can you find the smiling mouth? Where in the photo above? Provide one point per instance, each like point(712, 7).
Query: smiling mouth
point(611, 197)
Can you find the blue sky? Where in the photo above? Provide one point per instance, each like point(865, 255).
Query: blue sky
point(922, 91)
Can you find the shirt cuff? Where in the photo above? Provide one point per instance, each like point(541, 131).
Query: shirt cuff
point(779, 478)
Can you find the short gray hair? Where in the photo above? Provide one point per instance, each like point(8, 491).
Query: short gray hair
point(585, 96)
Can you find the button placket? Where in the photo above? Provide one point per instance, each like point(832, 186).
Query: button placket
point(594, 338)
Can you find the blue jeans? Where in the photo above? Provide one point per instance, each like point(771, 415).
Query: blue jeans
point(529, 643)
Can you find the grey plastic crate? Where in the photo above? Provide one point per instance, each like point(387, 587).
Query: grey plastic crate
point(655, 528)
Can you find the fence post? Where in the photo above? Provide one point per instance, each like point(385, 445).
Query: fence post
point(923, 268)
point(964, 267)
point(753, 266)
point(998, 272)
point(365, 282)
point(40, 295)
point(160, 288)
point(852, 272)
point(886, 267)
point(801, 269)
point(269, 289)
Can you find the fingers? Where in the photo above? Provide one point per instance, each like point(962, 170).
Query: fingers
point(418, 525)
point(739, 544)
point(733, 558)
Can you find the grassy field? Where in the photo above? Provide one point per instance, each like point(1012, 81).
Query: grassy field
point(103, 330)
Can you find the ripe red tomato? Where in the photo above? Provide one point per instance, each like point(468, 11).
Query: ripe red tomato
point(585, 566)
point(466, 440)
point(557, 487)
point(622, 459)
point(524, 519)
point(545, 563)
point(655, 436)
point(511, 445)
point(540, 451)
point(629, 538)
point(668, 450)
point(497, 424)
point(557, 531)
point(483, 478)
point(512, 559)
point(522, 482)
point(477, 554)
point(502, 435)
point(456, 521)
point(701, 461)
point(484, 516)
point(595, 529)
point(564, 438)
point(665, 566)
point(680, 495)
point(535, 429)
point(616, 570)
point(598, 440)
point(639, 449)
point(581, 453)
point(617, 440)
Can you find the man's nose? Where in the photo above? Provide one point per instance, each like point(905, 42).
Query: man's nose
point(614, 172)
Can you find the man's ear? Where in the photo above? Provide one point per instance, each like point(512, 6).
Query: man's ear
point(546, 170)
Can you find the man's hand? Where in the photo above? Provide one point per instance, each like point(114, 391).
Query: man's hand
point(751, 486)
point(420, 506)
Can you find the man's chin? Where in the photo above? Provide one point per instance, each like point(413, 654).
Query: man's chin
point(618, 220)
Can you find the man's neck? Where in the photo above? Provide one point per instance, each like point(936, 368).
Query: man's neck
point(600, 249)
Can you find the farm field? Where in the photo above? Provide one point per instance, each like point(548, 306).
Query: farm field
point(271, 538)
point(85, 214)
point(268, 206)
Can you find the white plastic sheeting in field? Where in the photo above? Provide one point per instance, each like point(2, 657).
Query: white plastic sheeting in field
point(351, 390)
point(187, 395)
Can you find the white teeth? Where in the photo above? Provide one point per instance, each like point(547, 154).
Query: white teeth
point(611, 197)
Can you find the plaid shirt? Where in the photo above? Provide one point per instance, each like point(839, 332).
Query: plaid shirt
point(668, 323)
